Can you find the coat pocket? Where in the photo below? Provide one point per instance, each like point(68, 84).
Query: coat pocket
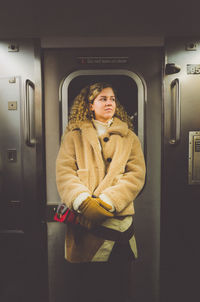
point(83, 175)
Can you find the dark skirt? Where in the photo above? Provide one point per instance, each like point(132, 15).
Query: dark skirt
point(101, 281)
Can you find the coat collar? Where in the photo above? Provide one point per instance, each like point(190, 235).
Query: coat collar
point(117, 127)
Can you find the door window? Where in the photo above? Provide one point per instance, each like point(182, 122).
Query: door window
point(129, 87)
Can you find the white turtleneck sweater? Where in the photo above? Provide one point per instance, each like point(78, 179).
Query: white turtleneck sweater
point(101, 129)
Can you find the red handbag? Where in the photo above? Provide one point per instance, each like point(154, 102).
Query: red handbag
point(64, 214)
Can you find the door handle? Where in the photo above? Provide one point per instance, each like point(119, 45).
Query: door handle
point(29, 121)
point(175, 112)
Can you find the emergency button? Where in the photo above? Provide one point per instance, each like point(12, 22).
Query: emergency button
point(106, 139)
point(109, 159)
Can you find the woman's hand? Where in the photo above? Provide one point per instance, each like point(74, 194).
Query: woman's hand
point(104, 204)
point(92, 210)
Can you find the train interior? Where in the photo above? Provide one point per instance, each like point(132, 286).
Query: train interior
point(155, 69)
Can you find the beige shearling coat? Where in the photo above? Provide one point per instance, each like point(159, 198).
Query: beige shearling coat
point(117, 169)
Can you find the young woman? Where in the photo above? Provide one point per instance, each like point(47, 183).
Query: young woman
point(100, 170)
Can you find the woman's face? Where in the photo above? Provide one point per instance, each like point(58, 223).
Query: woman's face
point(104, 105)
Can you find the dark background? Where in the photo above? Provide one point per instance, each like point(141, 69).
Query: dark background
point(28, 18)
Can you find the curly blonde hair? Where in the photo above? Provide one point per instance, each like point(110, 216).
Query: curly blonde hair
point(80, 110)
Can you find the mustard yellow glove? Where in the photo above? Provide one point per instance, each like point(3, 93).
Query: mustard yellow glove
point(102, 203)
point(91, 209)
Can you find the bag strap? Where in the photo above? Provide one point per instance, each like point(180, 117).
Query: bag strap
point(113, 235)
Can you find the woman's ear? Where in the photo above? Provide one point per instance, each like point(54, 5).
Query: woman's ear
point(91, 107)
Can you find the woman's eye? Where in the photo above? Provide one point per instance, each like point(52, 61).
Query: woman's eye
point(103, 99)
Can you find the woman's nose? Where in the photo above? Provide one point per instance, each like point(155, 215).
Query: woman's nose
point(109, 102)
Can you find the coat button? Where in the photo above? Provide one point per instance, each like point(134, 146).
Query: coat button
point(109, 159)
point(106, 139)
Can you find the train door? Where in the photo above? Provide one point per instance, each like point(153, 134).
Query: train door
point(181, 171)
point(22, 231)
point(137, 75)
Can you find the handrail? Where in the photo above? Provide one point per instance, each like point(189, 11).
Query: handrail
point(176, 115)
point(29, 123)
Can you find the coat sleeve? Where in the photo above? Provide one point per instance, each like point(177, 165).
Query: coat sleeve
point(68, 183)
point(131, 182)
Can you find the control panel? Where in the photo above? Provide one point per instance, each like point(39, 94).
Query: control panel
point(194, 158)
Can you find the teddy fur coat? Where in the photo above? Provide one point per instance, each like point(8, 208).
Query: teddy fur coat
point(112, 164)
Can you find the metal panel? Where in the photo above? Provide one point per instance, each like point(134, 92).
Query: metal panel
point(13, 64)
point(180, 201)
point(10, 147)
point(22, 230)
point(101, 41)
